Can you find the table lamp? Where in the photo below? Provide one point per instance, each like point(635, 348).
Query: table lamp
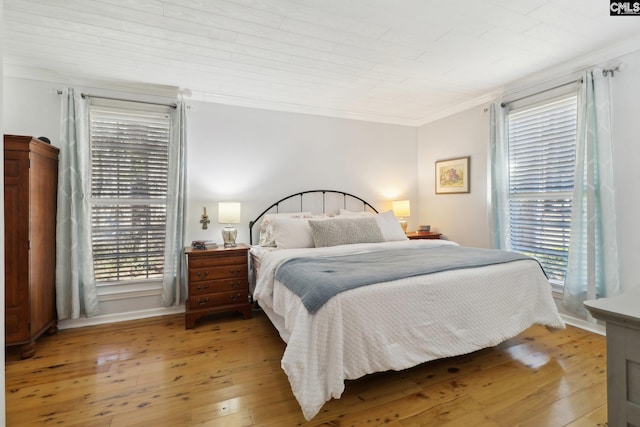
point(402, 210)
point(229, 214)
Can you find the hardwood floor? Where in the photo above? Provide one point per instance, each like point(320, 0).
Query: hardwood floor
point(226, 372)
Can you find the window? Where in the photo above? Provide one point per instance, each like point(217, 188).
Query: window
point(542, 152)
point(129, 178)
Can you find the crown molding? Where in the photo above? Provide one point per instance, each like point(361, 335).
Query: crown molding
point(604, 57)
point(601, 57)
point(43, 74)
point(572, 66)
point(240, 101)
point(463, 106)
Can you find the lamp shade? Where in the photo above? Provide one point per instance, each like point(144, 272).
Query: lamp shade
point(401, 208)
point(229, 213)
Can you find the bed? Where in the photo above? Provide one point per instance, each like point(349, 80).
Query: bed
point(395, 324)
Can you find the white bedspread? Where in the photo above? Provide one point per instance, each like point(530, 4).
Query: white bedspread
point(398, 324)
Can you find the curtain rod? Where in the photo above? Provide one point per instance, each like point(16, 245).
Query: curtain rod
point(86, 95)
point(620, 67)
point(504, 104)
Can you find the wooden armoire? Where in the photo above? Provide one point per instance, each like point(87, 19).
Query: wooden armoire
point(30, 199)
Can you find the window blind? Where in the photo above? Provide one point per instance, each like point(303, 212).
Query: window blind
point(542, 151)
point(129, 179)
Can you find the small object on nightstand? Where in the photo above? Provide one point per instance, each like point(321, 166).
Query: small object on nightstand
point(425, 228)
point(199, 244)
point(415, 235)
point(218, 281)
point(203, 244)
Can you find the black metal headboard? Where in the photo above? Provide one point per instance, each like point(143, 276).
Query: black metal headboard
point(345, 197)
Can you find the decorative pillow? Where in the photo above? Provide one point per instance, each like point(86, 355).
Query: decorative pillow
point(266, 229)
point(344, 212)
point(289, 233)
point(390, 227)
point(345, 231)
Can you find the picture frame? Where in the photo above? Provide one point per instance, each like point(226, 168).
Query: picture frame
point(452, 175)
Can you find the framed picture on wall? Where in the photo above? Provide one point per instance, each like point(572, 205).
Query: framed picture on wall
point(452, 175)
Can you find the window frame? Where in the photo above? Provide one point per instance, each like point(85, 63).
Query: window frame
point(136, 112)
point(523, 105)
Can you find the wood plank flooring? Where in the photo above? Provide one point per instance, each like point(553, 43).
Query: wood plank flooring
point(226, 372)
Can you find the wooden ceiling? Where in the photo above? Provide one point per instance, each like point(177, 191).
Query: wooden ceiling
point(392, 61)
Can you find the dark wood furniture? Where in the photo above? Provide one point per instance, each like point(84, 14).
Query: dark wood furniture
point(423, 235)
point(30, 197)
point(218, 281)
point(622, 314)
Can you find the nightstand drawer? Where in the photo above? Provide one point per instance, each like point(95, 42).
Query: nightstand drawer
point(201, 262)
point(219, 299)
point(221, 272)
point(212, 286)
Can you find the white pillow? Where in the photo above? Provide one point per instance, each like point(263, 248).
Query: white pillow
point(266, 229)
point(344, 212)
point(289, 233)
point(390, 227)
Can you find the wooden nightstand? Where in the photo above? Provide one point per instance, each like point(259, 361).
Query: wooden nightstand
point(218, 281)
point(423, 235)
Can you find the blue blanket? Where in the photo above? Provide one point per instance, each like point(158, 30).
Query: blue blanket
point(316, 280)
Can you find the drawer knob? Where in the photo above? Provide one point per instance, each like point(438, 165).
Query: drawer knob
point(234, 297)
point(201, 288)
point(232, 271)
point(199, 274)
point(203, 301)
point(236, 285)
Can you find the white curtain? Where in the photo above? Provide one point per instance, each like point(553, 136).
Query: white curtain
point(173, 283)
point(499, 185)
point(75, 283)
point(592, 270)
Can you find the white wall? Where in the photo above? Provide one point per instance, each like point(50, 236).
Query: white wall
point(626, 141)
point(32, 108)
point(460, 217)
point(463, 218)
point(252, 156)
point(257, 157)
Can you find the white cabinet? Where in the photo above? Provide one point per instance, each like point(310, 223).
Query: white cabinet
point(622, 315)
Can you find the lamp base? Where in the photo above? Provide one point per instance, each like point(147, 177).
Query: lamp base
point(403, 224)
point(229, 234)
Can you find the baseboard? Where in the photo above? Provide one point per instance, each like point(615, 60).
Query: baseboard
point(165, 311)
point(583, 324)
point(119, 317)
